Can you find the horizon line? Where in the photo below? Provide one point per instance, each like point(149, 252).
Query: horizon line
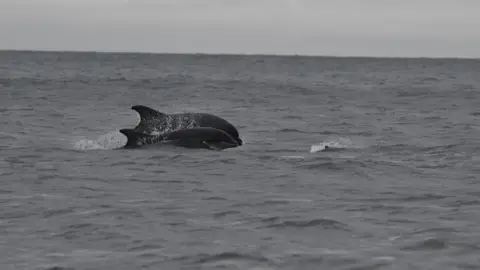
point(239, 54)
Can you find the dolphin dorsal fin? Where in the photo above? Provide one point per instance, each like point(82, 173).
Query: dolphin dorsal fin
point(133, 138)
point(136, 139)
point(146, 112)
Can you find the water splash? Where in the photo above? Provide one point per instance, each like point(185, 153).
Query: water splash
point(340, 143)
point(107, 141)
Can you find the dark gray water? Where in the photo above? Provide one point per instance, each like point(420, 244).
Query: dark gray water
point(399, 188)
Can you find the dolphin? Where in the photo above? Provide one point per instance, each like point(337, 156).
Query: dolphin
point(198, 137)
point(154, 122)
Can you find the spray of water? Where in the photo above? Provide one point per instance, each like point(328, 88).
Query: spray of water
point(339, 143)
point(107, 141)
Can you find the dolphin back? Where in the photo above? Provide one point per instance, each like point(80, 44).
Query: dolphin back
point(213, 121)
point(199, 133)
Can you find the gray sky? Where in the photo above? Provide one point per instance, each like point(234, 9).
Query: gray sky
point(427, 28)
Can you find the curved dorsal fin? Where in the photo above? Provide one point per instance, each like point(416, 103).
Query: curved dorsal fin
point(149, 119)
point(146, 112)
point(136, 139)
point(132, 138)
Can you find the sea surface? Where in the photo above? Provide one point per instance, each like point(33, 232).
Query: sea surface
point(398, 187)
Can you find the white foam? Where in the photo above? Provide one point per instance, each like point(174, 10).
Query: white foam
point(384, 258)
point(293, 157)
point(340, 143)
point(108, 141)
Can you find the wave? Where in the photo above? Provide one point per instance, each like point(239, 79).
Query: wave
point(204, 258)
point(427, 244)
point(320, 222)
point(291, 130)
point(418, 148)
point(334, 165)
point(226, 257)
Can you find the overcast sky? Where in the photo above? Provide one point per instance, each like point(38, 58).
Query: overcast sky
point(427, 28)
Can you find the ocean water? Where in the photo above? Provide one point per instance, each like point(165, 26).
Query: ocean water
point(399, 187)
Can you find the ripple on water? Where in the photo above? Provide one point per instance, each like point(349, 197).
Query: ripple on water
point(427, 244)
point(334, 165)
point(229, 260)
point(324, 223)
point(58, 268)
